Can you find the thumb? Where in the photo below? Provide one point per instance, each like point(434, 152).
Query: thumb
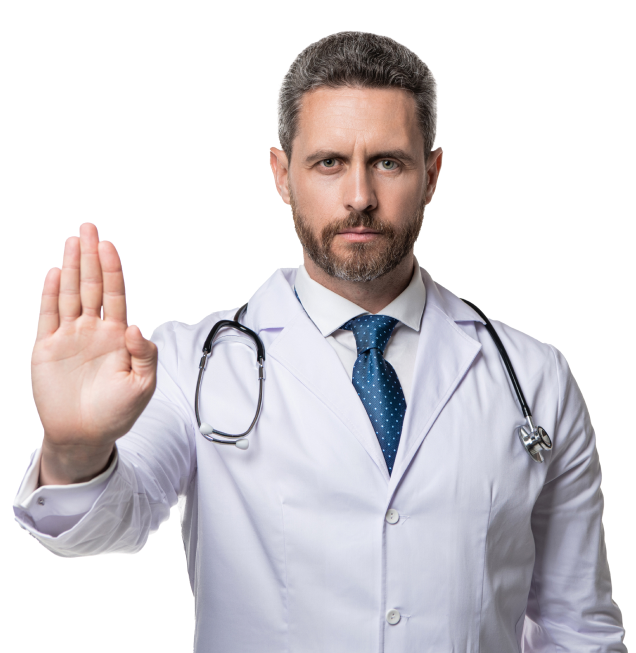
point(143, 352)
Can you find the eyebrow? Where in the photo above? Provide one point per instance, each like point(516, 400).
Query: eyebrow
point(320, 155)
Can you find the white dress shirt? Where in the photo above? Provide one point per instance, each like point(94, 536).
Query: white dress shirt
point(329, 311)
point(304, 542)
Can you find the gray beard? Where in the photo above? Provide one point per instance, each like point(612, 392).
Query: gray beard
point(362, 262)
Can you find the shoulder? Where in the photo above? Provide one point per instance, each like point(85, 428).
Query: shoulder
point(537, 363)
point(180, 341)
point(519, 345)
point(522, 342)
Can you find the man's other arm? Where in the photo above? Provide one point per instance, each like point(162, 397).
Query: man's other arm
point(570, 606)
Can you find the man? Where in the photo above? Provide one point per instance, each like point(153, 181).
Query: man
point(384, 502)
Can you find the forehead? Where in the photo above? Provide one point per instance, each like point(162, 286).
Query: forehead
point(341, 117)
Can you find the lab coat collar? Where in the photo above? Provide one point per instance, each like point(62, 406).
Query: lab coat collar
point(444, 301)
point(444, 355)
point(274, 304)
point(329, 311)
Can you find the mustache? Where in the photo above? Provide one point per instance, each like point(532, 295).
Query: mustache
point(356, 219)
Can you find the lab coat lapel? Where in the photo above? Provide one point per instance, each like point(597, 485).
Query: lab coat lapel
point(303, 351)
point(444, 355)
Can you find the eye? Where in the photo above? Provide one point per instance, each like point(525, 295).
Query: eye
point(329, 163)
point(387, 164)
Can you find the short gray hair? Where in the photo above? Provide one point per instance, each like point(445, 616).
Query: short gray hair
point(356, 59)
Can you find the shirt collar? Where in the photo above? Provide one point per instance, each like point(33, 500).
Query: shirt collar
point(329, 311)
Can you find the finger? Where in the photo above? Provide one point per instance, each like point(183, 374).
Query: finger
point(113, 278)
point(143, 353)
point(69, 302)
point(49, 315)
point(91, 286)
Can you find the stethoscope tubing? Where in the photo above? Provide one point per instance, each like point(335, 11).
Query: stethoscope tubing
point(234, 438)
point(534, 438)
point(506, 360)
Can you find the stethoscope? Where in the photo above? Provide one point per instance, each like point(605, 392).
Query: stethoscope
point(534, 438)
point(208, 432)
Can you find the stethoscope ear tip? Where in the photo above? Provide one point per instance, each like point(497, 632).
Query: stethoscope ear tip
point(205, 429)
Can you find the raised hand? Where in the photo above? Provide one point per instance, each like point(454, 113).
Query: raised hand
point(92, 375)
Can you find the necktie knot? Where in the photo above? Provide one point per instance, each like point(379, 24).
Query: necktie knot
point(371, 331)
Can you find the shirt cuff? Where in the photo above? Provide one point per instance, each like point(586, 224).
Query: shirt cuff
point(54, 509)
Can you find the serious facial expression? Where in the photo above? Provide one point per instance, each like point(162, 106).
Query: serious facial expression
point(357, 180)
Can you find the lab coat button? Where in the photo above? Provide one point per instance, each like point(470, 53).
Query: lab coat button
point(392, 516)
point(41, 501)
point(393, 616)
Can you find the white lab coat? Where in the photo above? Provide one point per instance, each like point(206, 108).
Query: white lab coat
point(287, 544)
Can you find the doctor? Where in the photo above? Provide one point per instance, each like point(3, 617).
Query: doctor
point(384, 502)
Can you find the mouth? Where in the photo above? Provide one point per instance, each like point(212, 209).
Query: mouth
point(359, 234)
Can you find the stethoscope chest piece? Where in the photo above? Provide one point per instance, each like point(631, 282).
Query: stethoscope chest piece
point(534, 439)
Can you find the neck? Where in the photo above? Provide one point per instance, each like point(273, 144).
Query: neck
point(372, 296)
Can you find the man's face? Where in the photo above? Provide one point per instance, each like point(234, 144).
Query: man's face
point(358, 180)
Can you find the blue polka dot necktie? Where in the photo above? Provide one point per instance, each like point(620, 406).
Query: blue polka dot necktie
point(376, 381)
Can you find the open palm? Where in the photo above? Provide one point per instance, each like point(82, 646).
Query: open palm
point(92, 375)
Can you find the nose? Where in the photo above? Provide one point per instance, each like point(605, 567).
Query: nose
point(358, 191)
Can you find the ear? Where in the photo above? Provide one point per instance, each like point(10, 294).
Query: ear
point(280, 167)
point(433, 166)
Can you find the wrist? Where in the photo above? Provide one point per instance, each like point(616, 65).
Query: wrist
point(68, 464)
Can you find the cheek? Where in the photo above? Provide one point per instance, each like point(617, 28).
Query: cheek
point(399, 199)
point(317, 201)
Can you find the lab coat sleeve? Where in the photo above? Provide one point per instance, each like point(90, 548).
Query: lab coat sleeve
point(570, 606)
point(53, 509)
point(155, 464)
